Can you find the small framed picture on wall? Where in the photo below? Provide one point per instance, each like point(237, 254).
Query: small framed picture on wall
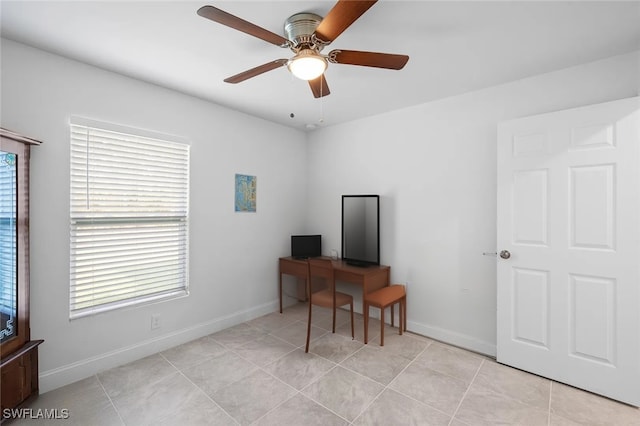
point(245, 188)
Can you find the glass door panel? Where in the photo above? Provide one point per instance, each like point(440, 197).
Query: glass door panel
point(8, 246)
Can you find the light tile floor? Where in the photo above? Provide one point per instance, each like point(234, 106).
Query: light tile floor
point(258, 373)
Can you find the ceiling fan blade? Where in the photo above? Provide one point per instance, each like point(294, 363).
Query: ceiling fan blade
point(319, 87)
point(256, 71)
point(368, 59)
point(225, 18)
point(343, 14)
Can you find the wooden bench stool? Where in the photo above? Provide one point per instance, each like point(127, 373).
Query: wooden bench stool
point(382, 299)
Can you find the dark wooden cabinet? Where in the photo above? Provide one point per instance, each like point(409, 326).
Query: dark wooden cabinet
point(18, 353)
point(20, 375)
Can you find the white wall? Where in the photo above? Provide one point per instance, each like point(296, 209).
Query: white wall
point(233, 266)
point(434, 166)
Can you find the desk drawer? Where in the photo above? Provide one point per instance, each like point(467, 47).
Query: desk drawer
point(297, 268)
point(348, 276)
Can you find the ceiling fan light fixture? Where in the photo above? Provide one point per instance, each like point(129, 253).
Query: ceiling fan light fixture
point(307, 65)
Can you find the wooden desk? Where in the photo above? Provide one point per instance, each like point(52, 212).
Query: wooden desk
point(369, 278)
point(291, 266)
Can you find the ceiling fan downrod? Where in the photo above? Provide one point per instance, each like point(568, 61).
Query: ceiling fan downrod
point(300, 29)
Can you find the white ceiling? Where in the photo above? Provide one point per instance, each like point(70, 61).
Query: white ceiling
point(454, 47)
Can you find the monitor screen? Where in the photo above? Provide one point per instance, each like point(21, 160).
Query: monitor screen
point(306, 246)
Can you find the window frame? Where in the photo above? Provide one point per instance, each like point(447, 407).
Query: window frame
point(165, 229)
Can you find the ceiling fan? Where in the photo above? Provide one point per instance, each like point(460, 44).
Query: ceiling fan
point(306, 35)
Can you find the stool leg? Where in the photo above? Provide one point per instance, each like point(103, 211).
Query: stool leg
point(392, 315)
point(400, 321)
point(381, 326)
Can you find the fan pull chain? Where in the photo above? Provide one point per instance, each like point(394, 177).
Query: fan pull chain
point(322, 100)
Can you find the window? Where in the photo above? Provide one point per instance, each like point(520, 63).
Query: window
point(129, 217)
point(8, 246)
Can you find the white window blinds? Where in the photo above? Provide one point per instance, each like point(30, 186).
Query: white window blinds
point(129, 218)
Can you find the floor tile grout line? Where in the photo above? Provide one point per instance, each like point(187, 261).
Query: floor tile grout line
point(296, 391)
point(317, 379)
point(320, 403)
point(300, 391)
point(476, 381)
point(256, 368)
point(429, 343)
point(411, 362)
point(273, 408)
point(455, 412)
point(549, 405)
point(384, 386)
point(360, 374)
point(284, 341)
point(177, 371)
point(374, 399)
point(338, 325)
point(450, 375)
point(156, 379)
point(204, 357)
point(277, 378)
point(340, 364)
point(501, 394)
point(336, 364)
point(294, 321)
point(208, 397)
point(328, 359)
point(280, 338)
point(260, 367)
point(110, 400)
point(170, 363)
point(508, 396)
point(420, 402)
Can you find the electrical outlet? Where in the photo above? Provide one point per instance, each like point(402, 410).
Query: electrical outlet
point(155, 321)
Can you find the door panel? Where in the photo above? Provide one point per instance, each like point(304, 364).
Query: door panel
point(530, 306)
point(530, 207)
point(592, 318)
point(592, 207)
point(569, 214)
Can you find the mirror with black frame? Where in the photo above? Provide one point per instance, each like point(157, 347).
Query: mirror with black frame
point(361, 229)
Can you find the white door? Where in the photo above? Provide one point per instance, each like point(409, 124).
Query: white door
point(569, 225)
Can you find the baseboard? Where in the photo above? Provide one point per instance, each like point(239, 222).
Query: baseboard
point(453, 338)
point(61, 376)
point(443, 335)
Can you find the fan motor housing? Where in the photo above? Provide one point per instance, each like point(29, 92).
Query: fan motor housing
point(299, 29)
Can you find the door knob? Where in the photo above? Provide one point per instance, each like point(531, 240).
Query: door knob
point(505, 254)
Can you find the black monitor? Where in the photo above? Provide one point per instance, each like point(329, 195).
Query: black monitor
point(306, 246)
point(361, 229)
